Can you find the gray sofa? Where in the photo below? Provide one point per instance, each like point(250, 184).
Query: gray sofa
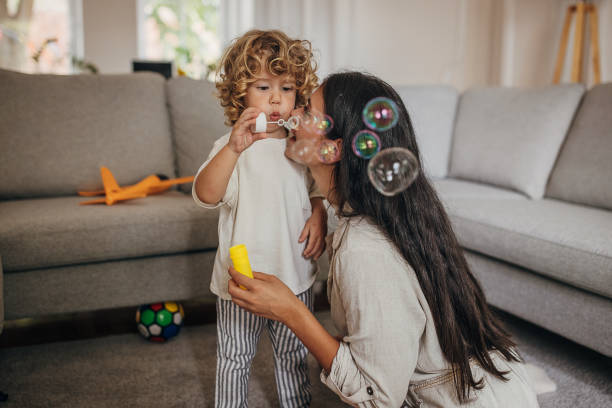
point(524, 175)
point(56, 132)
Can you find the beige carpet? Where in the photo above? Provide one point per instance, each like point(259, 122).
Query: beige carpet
point(126, 371)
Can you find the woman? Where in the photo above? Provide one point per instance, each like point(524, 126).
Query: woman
point(416, 329)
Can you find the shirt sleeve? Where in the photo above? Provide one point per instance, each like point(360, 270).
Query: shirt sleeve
point(313, 189)
point(231, 192)
point(385, 322)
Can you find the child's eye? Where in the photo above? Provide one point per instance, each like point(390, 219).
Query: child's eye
point(263, 87)
point(287, 88)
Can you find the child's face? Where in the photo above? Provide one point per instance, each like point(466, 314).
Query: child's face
point(275, 96)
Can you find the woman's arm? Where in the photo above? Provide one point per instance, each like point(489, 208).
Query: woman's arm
point(267, 296)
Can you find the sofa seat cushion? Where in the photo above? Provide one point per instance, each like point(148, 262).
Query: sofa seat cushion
point(38, 233)
point(564, 241)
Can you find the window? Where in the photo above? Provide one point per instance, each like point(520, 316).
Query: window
point(182, 31)
point(40, 35)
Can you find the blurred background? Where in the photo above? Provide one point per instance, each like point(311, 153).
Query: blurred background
point(463, 43)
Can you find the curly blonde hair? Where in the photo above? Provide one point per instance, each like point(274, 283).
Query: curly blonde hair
point(272, 49)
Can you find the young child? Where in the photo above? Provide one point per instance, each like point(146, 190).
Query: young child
point(266, 202)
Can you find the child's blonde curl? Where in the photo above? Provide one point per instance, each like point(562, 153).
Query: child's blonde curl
point(277, 53)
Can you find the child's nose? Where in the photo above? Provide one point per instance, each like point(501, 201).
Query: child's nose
point(275, 97)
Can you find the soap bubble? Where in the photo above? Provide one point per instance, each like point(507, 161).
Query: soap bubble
point(315, 121)
point(293, 123)
point(380, 114)
point(393, 170)
point(324, 125)
point(328, 151)
point(309, 117)
point(366, 144)
point(301, 151)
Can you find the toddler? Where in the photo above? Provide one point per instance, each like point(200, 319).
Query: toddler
point(266, 202)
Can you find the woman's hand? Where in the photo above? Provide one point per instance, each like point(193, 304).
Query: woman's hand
point(265, 295)
point(268, 297)
point(242, 137)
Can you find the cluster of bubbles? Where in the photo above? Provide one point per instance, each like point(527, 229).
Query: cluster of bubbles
point(325, 150)
point(390, 170)
point(320, 123)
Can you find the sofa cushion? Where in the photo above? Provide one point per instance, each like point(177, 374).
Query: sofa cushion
point(57, 131)
point(37, 233)
point(449, 189)
point(510, 137)
point(583, 172)
point(432, 112)
point(564, 241)
point(197, 121)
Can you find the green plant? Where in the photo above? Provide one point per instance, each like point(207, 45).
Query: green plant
point(187, 33)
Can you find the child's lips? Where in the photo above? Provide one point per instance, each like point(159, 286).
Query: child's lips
point(275, 116)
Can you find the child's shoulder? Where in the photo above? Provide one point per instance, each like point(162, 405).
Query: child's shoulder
point(223, 139)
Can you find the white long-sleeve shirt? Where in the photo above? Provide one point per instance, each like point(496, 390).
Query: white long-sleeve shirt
point(390, 351)
point(265, 207)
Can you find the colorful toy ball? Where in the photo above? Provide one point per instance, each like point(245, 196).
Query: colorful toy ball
point(159, 322)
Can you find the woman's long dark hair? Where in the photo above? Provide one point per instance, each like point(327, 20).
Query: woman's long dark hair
point(416, 222)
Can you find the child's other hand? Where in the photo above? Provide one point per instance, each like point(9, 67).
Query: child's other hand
point(315, 231)
point(242, 137)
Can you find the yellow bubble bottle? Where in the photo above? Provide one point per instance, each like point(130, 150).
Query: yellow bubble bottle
point(240, 259)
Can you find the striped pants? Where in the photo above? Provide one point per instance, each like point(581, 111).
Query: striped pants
point(238, 333)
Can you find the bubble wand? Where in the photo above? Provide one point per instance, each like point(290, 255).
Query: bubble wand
point(261, 123)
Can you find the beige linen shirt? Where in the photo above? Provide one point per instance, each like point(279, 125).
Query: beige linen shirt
point(390, 355)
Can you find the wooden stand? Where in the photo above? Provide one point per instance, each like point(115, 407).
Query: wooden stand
point(580, 10)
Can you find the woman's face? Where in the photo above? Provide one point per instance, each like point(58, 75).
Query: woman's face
point(301, 145)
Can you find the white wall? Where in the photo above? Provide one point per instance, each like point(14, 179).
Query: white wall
point(110, 34)
point(536, 28)
point(463, 43)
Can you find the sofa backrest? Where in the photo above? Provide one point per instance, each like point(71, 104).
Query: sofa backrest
point(510, 137)
point(57, 131)
point(583, 172)
point(197, 121)
point(432, 112)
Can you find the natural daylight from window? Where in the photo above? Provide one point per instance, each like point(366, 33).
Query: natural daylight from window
point(184, 32)
point(36, 36)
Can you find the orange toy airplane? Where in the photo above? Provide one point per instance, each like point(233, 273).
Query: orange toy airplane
point(114, 193)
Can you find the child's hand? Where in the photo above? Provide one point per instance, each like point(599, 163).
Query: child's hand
point(242, 137)
point(315, 231)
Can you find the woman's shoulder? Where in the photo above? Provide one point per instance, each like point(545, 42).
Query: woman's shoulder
point(362, 234)
point(364, 245)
